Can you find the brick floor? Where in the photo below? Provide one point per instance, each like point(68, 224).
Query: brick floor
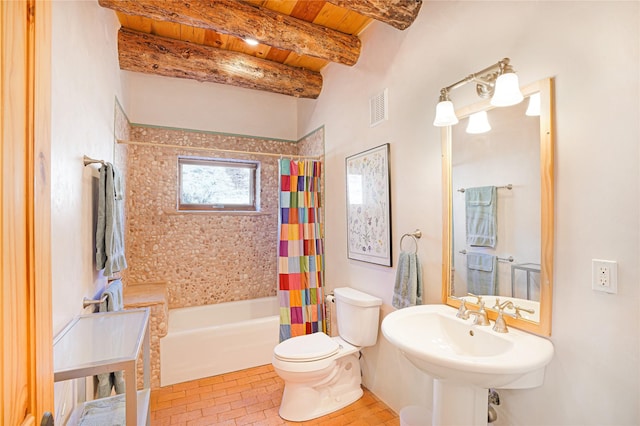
point(250, 397)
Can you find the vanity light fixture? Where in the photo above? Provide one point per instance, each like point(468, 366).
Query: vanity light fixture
point(498, 81)
point(534, 105)
point(478, 123)
point(445, 113)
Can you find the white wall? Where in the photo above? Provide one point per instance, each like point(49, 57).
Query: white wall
point(591, 48)
point(188, 104)
point(85, 82)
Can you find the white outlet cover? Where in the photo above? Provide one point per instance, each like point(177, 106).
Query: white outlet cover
point(612, 267)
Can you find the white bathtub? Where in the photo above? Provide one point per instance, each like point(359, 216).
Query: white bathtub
point(207, 340)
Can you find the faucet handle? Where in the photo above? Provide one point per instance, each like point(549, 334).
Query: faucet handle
point(505, 304)
point(481, 305)
point(462, 310)
point(500, 325)
point(476, 296)
point(518, 309)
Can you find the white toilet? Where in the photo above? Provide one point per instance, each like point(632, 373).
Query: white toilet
point(322, 374)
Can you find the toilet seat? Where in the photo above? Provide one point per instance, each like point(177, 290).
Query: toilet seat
point(307, 348)
point(301, 360)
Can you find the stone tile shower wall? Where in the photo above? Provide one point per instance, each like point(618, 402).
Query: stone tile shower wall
point(312, 145)
point(204, 258)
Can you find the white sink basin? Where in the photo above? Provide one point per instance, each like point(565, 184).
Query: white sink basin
point(452, 349)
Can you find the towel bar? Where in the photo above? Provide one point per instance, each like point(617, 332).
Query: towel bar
point(500, 259)
point(509, 187)
point(86, 301)
point(89, 160)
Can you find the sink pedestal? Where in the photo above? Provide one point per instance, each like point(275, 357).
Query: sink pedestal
point(456, 404)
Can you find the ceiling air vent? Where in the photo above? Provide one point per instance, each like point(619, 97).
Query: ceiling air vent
point(378, 108)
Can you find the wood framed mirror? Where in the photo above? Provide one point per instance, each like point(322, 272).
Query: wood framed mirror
point(517, 158)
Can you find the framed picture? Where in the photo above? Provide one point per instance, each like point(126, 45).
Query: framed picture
point(369, 206)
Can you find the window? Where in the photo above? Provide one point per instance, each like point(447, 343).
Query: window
point(217, 184)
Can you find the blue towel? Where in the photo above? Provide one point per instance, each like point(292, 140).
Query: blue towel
point(407, 290)
point(110, 226)
point(114, 302)
point(482, 216)
point(482, 273)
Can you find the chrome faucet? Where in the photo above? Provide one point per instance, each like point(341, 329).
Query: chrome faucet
point(480, 314)
point(501, 325)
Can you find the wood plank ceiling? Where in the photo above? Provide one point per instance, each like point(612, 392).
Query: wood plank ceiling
point(204, 40)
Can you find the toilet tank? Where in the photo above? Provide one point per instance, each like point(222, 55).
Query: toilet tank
point(358, 314)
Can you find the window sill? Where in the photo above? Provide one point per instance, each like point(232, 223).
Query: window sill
point(217, 212)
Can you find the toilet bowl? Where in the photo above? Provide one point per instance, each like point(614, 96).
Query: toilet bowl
point(329, 379)
point(322, 373)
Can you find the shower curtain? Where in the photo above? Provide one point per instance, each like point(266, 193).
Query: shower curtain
point(301, 249)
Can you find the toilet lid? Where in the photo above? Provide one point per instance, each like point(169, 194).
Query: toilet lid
point(310, 347)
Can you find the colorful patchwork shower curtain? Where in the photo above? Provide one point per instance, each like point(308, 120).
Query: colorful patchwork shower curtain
point(301, 249)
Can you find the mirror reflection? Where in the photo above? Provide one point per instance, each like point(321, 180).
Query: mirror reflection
point(498, 198)
point(495, 200)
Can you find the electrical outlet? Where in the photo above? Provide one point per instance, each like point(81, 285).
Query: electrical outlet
point(604, 275)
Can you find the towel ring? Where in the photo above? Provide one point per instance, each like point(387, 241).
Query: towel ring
point(414, 235)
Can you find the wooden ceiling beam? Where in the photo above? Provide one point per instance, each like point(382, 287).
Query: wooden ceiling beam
point(150, 54)
point(244, 20)
point(397, 13)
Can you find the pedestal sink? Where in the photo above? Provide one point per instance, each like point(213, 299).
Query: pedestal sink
point(465, 359)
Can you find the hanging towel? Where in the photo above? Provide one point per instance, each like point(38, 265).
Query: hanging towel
point(481, 273)
point(113, 302)
point(407, 290)
point(482, 216)
point(101, 412)
point(110, 226)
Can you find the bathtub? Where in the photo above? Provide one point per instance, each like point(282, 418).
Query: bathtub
point(207, 340)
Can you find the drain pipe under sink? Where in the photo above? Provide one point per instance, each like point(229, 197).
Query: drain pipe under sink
point(493, 399)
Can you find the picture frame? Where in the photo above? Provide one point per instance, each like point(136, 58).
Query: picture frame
point(369, 206)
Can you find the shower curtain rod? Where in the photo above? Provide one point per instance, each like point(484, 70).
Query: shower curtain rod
point(204, 148)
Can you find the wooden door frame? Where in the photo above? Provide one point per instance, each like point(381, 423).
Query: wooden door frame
point(26, 352)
